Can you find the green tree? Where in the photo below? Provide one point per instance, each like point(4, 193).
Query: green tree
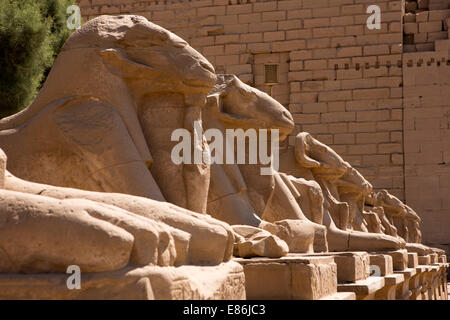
point(31, 35)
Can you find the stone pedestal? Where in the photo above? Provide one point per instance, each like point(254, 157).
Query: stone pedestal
point(413, 260)
point(368, 275)
point(381, 265)
point(363, 289)
point(406, 276)
point(383, 283)
point(415, 285)
point(388, 292)
point(437, 282)
point(444, 283)
point(422, 294)
point(340, 296)
point(351, 266)
point(426, 282)
point(391, 275)
point(294, 277)
point(425, 260)
point(225, 281)
point(399, 259)
point(403, 290)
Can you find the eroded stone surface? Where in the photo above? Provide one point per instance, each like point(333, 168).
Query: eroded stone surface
point(225, 281)
point(295, 276)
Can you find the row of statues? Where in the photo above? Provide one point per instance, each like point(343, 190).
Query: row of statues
point(87, 179)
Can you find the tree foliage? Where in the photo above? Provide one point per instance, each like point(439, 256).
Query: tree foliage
point(31, 35)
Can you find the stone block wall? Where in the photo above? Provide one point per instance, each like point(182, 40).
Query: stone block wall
point(426, 79)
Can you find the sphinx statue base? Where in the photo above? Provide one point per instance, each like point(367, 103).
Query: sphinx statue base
point(224, 281)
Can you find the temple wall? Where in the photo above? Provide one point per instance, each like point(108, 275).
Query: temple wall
point(352, 88)
point(426, 79)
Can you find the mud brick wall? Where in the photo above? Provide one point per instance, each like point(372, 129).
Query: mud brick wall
point(426, 79)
